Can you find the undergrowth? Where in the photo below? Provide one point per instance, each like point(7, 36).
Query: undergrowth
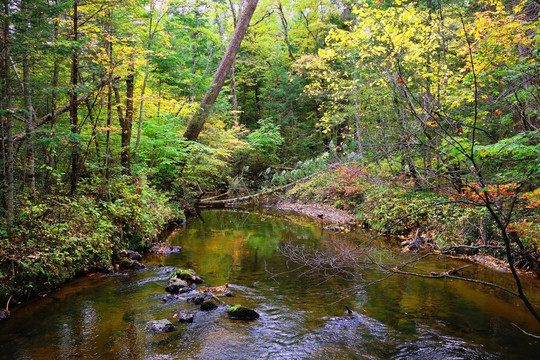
point(59, 237)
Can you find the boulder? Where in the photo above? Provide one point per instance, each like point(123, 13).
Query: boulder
point(200, 297)
point(127, 263)
point(163, 325)
point(209, 305)
point(130, 254)
point(175, 285)
point(239, 312)
point(188, 275)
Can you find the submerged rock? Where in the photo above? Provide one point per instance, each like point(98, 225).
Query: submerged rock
point(184, 317)
point(171, 298)
point(209, 305)
point(163, 325)
point(176, 285)
point(227, 293)
point(164, 248)
point(239, 312)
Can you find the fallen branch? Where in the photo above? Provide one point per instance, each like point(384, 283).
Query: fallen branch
point(527, 333)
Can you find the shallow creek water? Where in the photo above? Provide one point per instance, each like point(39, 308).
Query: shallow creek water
point(104, 316)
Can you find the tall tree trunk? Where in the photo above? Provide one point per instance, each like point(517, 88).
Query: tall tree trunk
point(232, 76)
point(29, 124)
point(141, 109)
point(74, 118)
point(151, 33)
point(285, 31)
point(109, 47)
point(108, 136)
point(128, 120)
point(31, 172)
point(196, 123)
point(27, 94)
point(51, 153)
point(8, 125)
point(159, 98)
point(234, 96)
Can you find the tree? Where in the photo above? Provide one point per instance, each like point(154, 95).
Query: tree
point(196, 123)
point(7, 124)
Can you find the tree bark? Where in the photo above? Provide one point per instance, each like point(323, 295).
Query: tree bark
point(10, 216)
point(196, 123)
point(128, 120)
point(75, 156)
point(234, 91)
point(51, 154)
point(108, 136)
point(151, 34)
point(27, 94)
point(30, 162)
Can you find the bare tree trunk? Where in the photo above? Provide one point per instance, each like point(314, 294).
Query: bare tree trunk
point(151, 33)
point(285, 31)
point(29, 124)
point(75, 156)
point(10, 216)
point(27, 94)
point(128, 120)
point(234, 96)
point(108, 136)
point(196, 123)
point(159, 99)
point(51, 155)
point(231, 76)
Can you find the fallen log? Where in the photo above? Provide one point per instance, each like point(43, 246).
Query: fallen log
point(226, 202)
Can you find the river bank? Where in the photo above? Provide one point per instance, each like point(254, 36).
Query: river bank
point(62, 237)
point(424, 220)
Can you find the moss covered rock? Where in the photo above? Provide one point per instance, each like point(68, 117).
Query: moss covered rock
point(209, 305)
point(239, 312)
point(175, 285)
point(188, 275)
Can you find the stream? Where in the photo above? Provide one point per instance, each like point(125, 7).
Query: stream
point(103, 316)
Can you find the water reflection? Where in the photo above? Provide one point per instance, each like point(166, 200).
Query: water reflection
point(104, 317)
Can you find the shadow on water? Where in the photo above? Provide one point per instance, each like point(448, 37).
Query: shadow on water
point(104, 317)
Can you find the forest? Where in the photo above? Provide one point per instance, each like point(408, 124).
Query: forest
point(421, 118)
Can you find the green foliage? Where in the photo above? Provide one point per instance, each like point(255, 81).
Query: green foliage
point(265, 141)
point(59, 237)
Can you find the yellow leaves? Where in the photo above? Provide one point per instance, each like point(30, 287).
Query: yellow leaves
point(108, 128)
point(499, 6)
point(432, 123)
